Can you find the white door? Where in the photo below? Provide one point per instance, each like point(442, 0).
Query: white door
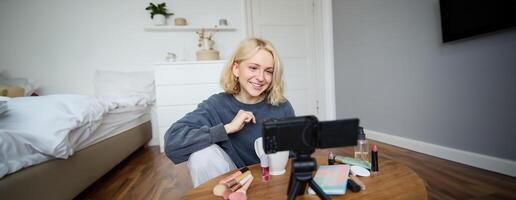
point(289, 25)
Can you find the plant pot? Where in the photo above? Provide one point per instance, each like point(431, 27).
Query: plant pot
point(205, 54)
point(159, 20)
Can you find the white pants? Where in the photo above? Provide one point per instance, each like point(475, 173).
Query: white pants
point(207, 163)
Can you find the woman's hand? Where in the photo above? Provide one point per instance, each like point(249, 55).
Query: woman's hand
point(241, 118)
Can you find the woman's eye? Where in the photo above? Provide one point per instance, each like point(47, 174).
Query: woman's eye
point(253, 67)
point(269, 71)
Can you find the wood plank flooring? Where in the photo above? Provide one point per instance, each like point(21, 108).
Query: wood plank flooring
point(148, 174)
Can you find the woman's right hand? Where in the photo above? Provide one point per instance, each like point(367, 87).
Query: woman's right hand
point(241, 118)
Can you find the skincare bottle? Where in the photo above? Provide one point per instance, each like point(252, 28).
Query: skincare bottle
point(362, 148)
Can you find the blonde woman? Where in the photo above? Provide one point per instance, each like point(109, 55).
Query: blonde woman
point(219, 134)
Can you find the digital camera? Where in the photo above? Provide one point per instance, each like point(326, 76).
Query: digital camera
point(305, 133)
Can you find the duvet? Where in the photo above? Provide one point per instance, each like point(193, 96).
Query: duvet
point(36, 129)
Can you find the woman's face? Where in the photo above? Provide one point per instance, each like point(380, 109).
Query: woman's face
point(255, 74)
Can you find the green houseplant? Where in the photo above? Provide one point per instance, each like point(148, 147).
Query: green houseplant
point(158, 13)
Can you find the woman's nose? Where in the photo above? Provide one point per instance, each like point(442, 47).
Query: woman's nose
point(260, 76)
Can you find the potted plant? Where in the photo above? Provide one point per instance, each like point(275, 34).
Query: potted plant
point(205, 43)
point(158, 13)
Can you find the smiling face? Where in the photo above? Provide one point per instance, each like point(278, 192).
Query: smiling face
point(254, 76)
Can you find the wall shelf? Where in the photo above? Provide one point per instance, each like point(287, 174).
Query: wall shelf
point(185, 28)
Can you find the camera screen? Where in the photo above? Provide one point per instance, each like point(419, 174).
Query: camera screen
point(338, 133)
point(294, 133)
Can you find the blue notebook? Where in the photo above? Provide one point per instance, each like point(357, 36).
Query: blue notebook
point(332, 179)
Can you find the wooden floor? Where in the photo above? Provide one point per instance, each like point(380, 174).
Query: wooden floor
point(148, 174)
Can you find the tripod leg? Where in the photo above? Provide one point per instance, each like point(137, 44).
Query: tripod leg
point(294, 188)
point(318, 190)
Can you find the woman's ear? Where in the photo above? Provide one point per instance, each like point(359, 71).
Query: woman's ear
point(235, 70)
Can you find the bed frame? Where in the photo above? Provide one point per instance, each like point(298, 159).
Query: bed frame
point(66, 178)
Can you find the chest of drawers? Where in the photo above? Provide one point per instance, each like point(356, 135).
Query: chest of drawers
point(180, 86)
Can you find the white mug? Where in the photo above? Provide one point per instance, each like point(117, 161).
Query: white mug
point(277, 161)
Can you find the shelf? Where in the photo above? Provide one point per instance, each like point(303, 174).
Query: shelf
point(185, 28)
point(192, 62)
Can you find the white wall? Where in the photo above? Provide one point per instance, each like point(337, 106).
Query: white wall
point(393, 71)
point(58, 43)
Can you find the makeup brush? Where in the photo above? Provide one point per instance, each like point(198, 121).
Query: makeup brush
point(234, 175)
point(231, 190)
point(234, 181)
point(240, 194)
point(219, 189)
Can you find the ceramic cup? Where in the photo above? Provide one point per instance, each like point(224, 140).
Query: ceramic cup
point(277, 161)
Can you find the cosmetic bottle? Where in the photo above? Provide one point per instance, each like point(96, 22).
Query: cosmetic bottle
point(362, 148)
point(264, 163)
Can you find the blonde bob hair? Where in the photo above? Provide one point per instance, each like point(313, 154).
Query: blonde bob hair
point(247, 49)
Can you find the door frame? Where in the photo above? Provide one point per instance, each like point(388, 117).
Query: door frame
point(323, 38)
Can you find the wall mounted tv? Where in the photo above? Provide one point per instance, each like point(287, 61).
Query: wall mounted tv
point(466, 18)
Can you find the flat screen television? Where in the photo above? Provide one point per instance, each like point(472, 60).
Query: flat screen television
point(465, 18)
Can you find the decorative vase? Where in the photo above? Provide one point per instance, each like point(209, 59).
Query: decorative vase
point(159, 20)
point(208, 44)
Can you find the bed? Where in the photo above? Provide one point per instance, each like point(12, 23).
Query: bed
point(72, 141)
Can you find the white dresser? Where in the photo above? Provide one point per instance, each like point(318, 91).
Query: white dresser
point(180, 86)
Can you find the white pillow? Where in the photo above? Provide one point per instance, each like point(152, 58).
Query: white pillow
point(24, 83)
point(125, 84)
point(46, 121)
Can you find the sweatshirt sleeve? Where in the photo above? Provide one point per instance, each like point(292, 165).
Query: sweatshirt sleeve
point(195, 131)
point(289, 110)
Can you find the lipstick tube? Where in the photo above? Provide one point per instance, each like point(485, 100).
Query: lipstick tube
point(331, 158)
point(374, 160)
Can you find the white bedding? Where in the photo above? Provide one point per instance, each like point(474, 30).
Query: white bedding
point(46, 121)
point(115, 122)
point(36, 129)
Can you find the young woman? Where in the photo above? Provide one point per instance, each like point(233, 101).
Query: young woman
point(221, 131)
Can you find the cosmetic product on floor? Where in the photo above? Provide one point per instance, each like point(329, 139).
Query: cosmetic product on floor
point(331, 158)
point(219, 189)
point(237, 186)
point(352, 161)
point(240, 194)
point(374, 160)
point(234, 175)
point(264, 163)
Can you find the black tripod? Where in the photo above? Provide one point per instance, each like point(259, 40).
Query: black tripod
point(302, 168)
